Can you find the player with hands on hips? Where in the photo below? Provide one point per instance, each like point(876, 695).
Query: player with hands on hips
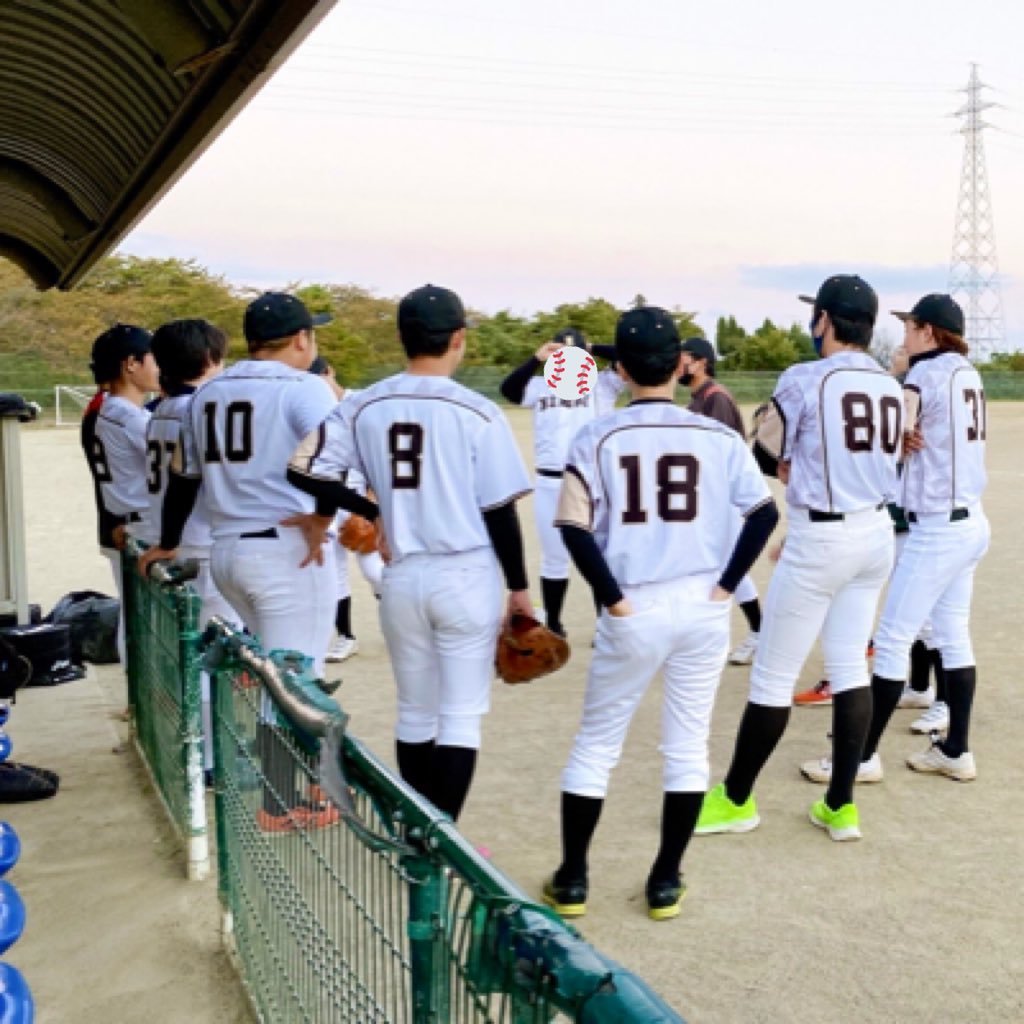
point(446, 471)
point(709, 398)
point(943, 481)
point(646, 512)
point(833, 431)
point(556, 422)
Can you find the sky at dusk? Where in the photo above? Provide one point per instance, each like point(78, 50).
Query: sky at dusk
point(718, 157)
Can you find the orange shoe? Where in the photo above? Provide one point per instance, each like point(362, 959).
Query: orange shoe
point(287, 822)
point(323, 816)
point(819, 695)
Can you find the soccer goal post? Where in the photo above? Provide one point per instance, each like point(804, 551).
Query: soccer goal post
point(71, 400)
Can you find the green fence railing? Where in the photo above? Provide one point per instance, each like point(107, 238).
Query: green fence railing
point(347, 897)
point(164, 694)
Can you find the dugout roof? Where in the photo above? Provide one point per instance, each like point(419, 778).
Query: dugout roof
point(105, 103)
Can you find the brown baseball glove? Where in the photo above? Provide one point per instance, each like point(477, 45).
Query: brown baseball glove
point(527, 650)
point(358, 535)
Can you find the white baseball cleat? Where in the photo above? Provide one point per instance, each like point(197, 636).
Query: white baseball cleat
point(935, 762)
point(820, 770)
point(342, 648)
point(935, 719)
point(744, 652)
point(920, 699)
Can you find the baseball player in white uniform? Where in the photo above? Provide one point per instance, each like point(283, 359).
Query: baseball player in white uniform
point(645, 510)
point(834, 430)
point(943, 482)
point(446, 471)
point(238, 434)
point(123, 361)
point(556, 421)
point(189, 352)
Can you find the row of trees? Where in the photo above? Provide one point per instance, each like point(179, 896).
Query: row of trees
point(47, 335)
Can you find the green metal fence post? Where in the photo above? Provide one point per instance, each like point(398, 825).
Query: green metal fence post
point(431, 995)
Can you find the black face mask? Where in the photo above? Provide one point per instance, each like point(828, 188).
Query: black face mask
point(686, 379)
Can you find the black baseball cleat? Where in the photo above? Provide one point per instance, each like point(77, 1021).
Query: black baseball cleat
point(567, 900)
point(664, 899)
point(329, 686)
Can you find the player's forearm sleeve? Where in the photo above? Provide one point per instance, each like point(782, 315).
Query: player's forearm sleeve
point(593, 568)
point(179, 500)
point(507, 538)
point(330, 495)
point(513, 387)
point(750, 543)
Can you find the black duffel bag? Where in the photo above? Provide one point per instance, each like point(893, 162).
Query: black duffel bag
point(92, 620)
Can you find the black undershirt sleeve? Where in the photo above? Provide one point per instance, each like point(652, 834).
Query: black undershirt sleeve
point(179, 500)
point(593, 568)
point(507, 538)
point(330, 495)
point(513, 387)
point(750, 543)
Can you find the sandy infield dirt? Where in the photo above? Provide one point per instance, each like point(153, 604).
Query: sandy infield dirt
point(919, 922)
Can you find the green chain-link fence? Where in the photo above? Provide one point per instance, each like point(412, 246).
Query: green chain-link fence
point(164, 695)
point(347, 897)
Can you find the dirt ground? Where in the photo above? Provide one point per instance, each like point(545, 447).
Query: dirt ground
point(920, 921)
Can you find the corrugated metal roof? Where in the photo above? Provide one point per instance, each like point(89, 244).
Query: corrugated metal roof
point(105, 103)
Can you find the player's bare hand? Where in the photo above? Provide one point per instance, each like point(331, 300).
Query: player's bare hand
point(519, 603)
point(120, 537)
point(900, 361)
point(548, 349)
point(776, 552)
point(719, 595)
point(155, 555)
point(913, 441)
point(621, 609)
point(314, 530)
point(783, 472)
point(383, 547)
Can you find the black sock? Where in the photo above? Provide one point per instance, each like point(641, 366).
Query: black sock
point(343, 617)
point(416, 765)
point(580, 815)
point(920, 666)
point(752, 612)
point(885, 695)
point(278, 771)
point(679, 813)
point(453, 767)
point(761, 728)
point(553, 595)
point(940, 678)
point(851, 717)
point(960, 684)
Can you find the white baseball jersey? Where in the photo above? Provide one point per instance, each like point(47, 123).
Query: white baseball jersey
point(842, 423)
point(655, 484)
point(119, 457)
point(240, 431)
point(163, 435)
point(945, 397)
point(556, 421)
point(436, 455)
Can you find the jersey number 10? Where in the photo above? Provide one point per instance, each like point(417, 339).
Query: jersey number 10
point(237, 432)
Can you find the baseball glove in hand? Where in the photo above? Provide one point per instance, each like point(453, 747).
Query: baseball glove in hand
point(527, 650)
point(358, 535)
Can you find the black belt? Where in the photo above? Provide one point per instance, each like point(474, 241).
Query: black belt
point(555, 473)
point(956, 516)
point(270, 533)
point(133, 517)
point(832, 517)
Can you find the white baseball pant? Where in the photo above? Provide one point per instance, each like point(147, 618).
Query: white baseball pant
point(288, 608)
point(933, 581)
point(440, 616)
point(828, 581)
point(554, 558)
point(675, 627)
point(113, 556)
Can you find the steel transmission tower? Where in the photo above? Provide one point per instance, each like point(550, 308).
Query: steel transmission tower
point(974, 272)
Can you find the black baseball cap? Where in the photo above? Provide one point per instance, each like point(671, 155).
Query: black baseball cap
point(570, 336)
point(939, 310)
point(847, 296)
point(431, 309)
point(648, 330)
point(279, 315)
point(701, 348)
point(114, 346)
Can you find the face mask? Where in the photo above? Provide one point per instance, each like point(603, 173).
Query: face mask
point(818, 339)
point(686, 379)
